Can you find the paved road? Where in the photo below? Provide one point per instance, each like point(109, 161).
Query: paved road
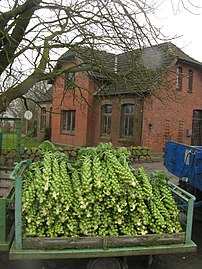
point(158, 165)
point(174, 261)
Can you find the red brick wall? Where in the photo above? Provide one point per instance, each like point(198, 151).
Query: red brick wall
point(172, 120)
point(72, 100)
point(165, 117)
point(115, 137)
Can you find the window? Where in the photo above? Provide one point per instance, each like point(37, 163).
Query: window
point(69, 80)
point(68, 121)
point(43, 119)
point(190, 80)
point(106, 115)
point(50, 117)
point(127, 120)
point(179, 78)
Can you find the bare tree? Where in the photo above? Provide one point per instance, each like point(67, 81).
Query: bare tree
point(38, 93)
point(34, 33)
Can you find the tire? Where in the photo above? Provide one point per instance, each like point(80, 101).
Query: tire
point(104, 263)
point(198, 214)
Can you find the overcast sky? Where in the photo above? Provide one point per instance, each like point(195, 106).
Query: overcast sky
point(176, 20)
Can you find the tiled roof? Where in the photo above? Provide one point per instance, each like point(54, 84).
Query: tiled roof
point(145, 66)
point(164, 54)
point(88, 56)
point(131, 71)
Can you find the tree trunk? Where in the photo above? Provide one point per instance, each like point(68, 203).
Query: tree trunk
point(12, 93)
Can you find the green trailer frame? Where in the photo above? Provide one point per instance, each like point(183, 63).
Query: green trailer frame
point(184, 200)
point(10, 136)
point(6, 212)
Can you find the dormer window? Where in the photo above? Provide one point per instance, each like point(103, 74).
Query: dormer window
point(69, 80)
point(179, 78)
point(190, 80)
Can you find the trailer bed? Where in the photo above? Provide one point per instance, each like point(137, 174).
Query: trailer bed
point(94, 247)
point(16, 254)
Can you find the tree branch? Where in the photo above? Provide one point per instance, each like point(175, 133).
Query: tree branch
point(17, 35)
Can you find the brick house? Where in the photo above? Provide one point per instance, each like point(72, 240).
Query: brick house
point(162, 101)
point(44, 118)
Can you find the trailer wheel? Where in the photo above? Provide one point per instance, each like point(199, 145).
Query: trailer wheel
point(104, 263)
point(198, 214)
point(149, 260)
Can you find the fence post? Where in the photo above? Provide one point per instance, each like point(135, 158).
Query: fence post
point(1, 139)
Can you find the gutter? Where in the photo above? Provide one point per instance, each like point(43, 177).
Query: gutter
point(195, 64)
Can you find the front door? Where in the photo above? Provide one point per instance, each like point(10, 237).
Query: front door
point(197, 128)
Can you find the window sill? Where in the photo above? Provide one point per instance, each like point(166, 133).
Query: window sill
point(105, 135)
point(67, 133)
point(105, 138)
point(126, 140)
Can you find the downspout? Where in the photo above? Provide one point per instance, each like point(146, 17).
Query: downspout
point(142, 123)
point(115, 63)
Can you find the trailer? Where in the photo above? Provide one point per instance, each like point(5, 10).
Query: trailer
point(10, 133)
point(185, 162)
point(106, 251)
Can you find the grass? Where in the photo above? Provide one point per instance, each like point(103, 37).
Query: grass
point(30, 142)
point(9, 141)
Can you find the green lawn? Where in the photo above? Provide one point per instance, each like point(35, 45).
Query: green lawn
point(9, 141)
point(30, 142)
